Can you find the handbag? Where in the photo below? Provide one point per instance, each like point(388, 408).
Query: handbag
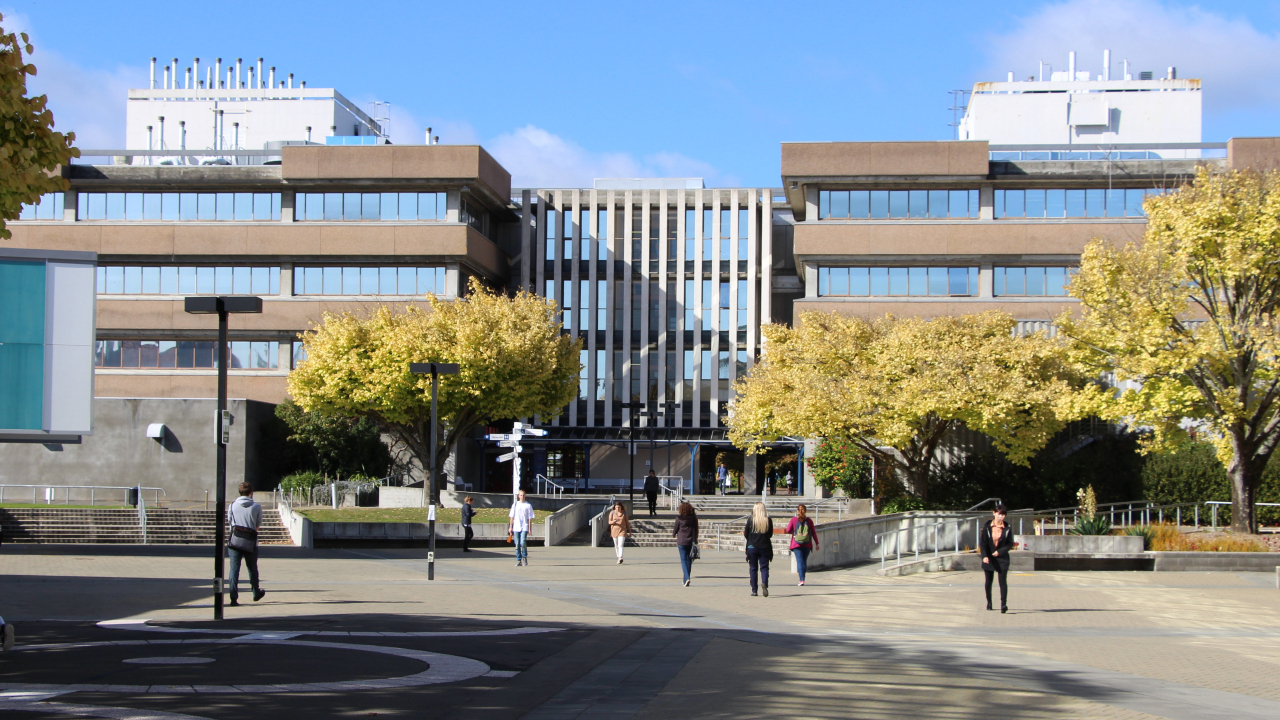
point(243, 540)
point(694, 553)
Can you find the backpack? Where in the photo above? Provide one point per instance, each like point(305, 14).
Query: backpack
point(801, 534)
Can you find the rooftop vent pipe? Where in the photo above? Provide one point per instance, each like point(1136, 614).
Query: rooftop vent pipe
point(1173, 73)
point(259, 85)
point(1106, 64)
point(217, 74)
point(1010, 76)
point(153, 73)
point(251, 78)
point(166, 77)
point(239, 62)
point(428, 136)
point(1071, 65)
point(195, 70)
point(186, 82)
point(272, 81)
point(1127, 76)
point(175, 74)
point(290, 81)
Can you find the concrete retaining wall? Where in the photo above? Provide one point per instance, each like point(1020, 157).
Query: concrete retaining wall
point(299, 526)
point(563, 523)
point(1128, 544)
point(330, 532)
point(1216, 561)
point(851, 542)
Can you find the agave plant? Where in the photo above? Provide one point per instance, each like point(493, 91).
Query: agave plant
point(1096, 525)
point(1143, 531)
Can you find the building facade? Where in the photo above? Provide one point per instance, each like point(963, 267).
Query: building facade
point(668, 283)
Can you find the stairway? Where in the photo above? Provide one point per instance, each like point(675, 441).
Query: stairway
point(120, 526)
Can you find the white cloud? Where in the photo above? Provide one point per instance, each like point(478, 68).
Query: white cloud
point(1235, 60)
point(538, 158)
point(87, 101)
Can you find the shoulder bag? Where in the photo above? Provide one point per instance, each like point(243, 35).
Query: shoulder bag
point(243, 540)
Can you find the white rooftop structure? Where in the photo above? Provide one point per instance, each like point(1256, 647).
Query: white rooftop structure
point(242, 108)
point(1075, 107)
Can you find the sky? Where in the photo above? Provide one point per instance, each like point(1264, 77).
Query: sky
point(567, 92)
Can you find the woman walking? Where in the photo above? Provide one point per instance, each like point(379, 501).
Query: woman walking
point(686, 535)
point(759, 536)
point(995, 540)
point(804, 539)
point(619, 528)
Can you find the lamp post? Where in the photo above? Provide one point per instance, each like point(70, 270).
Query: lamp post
point(631, 447)
point(222, 306)
point(436, 370)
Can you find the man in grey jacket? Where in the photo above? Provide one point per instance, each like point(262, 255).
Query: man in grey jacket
point(244, 516)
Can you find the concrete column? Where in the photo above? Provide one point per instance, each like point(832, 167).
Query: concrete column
point(986, 203)
point(453, 204)
point(715, 313)
point(286, 279)
point(810, 203)
point(986, 280)
point(663, 268)
point(766, 259)
point(540, 248)
point(70, 201)
point(751, 475)
point(453, 280)
point(648, 271)
point(287, 204)
point(810, 280)
point(573, 222)
point(526, 231)
point(628, 273)
point(594, 302)
point(284, 358)
point(610, 304)
point(681, 202)
point(699, 322)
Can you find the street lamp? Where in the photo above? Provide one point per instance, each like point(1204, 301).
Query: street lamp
point(436, 370)
point(223, 306)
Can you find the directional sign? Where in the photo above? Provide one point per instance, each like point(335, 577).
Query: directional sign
point(532, 431)
point(502, 436)
point(510, 443)
point(508, 456)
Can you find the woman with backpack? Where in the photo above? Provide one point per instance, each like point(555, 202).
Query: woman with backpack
point(759, 537)
point(804, 539)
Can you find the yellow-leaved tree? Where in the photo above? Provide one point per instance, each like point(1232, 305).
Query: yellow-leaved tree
point(29, 148)
point(513, 362)
point(895, 386)
point(1188, 317)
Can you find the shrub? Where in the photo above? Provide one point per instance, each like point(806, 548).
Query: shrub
point(1168, 538)
point(1096, 525)
point(839, 465)
point(902, 504)
point(302, 480)
point(1143, 531)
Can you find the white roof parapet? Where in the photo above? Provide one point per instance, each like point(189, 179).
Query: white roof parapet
point(648, 184)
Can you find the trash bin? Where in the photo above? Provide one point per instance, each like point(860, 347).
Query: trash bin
point(133, 497)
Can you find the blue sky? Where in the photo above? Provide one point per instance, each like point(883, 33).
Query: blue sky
point(568, 91)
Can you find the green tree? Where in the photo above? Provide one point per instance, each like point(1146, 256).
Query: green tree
point(513, 358)
point(340, 446)
point(1186, 323)
point(895, 387)
point(840, 464)
point(30, 150)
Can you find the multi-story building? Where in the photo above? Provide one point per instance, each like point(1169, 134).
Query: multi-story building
point(667, 282)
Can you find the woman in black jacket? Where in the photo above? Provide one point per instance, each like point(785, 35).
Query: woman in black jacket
point(995, 540)
point(686, 534)
point(759, 535)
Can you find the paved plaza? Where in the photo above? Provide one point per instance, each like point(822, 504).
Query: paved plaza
point(125, 632)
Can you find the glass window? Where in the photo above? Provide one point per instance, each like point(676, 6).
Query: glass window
point(824, 204)
point(1115, 203)
point(368, 281)
point(115, 206)
point(918, 280)
point(1015, 282)
point(222, 281)
point(133, 206)
point(97, 206)
point(187, 280)
point(725, 227)
point(839, 204)
point(331, 206)
point(897, 281)
point(839, 281)
point(1056, 281)
point(369, 204)
point(859, 207)
point(858, 281)
point(241, 280)
point(938, 204)
point(938, 283)
point(261, 281)
point(1055, 203)
point(351, 206)
point(225, 203)
point(387, 281)
point(918, 203)
point(1014, 203)
point(132, 280)
point(1035, 207)
point(1075, 203)
point(1095, 203)
point(1035, 281)
point(957, 203)
point(263, 206)
point(957, 282)
point(206, 206)
point(1133, 203)
point(879, 281)
point(407, 206)
point(314, 284)
point(350, 281)
point(244, 206)
point(332, 284)
point(899, 203)
point(205, 281)
point(168, 280)
point(407, 282)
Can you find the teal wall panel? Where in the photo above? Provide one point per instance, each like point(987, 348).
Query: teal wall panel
point(22, 310)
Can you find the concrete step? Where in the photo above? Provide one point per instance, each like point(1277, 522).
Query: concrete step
point(86, 525)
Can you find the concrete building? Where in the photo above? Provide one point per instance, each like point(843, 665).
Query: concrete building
point(667, 282)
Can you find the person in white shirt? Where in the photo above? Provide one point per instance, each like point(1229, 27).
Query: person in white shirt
point(521, 515)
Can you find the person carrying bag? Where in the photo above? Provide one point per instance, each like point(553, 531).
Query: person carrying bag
point(244, 517)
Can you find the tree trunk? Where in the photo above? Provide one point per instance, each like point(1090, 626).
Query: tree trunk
point(1245, 474)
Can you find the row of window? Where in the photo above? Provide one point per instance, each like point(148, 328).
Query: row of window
point(1060, 203)
point(48, 207)
point(190, 354)
point(370, 206)
point(368, 280)
point(567, 225)
point(882, 204)
point(170, 280)
point(905, 281)
point(942, 281)
point(177, 206)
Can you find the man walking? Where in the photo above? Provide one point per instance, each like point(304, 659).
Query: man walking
point(651, 492)
point(521, 515)
point(467, 513)
point(722, 478)
point(244, 516)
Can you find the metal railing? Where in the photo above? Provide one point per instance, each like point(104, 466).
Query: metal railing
point(812, 511)
point(928, 529)
point(671, 497)
point(51, 493)
point(542, 481)
point(1107, 152)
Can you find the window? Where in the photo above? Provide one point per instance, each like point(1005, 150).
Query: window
point(172, 280)
point(889, 281)
point(179, 354)
point(1032, 281)
point(1060, 203)
point(299, 352)
point(172, 206)
point(475, 216)
point(882, 204)
point(48, 207)
point(690, 234)
point(368, 206)
point(368, 280)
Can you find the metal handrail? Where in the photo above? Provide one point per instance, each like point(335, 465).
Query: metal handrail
point(915, 529)
point(91, 488)
point(1126, 511)
point(558, 493)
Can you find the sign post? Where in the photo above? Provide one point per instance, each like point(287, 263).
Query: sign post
point(512, 440)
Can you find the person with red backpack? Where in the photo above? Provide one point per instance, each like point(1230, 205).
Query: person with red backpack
point(804, 539)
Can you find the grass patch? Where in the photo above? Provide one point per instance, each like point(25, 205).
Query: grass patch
point(410, 515)
point(60, 506)
point(1168, 538)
